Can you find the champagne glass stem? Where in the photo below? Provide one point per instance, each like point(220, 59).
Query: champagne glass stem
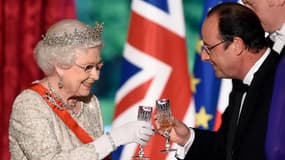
point(167, 144)
point(164, 117)
point(141, 152)
point(144, 114)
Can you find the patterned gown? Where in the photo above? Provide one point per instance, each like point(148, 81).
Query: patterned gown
point(37, 133)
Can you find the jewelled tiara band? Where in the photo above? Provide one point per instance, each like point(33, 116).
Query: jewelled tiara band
point(78, 37)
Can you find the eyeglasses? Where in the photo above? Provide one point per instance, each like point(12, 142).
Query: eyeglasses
point(88, 68)
point(208, 49)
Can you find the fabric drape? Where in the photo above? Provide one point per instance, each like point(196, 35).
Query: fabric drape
point(22, 24)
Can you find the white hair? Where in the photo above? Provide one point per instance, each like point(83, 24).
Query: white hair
point(49, 56)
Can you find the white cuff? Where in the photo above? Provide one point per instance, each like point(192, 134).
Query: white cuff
point(182, 150)
point(103, 146)
point(111, 141)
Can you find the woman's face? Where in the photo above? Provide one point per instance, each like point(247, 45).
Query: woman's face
point(79, 78)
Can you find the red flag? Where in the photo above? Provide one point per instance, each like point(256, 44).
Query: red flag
point(154, 66)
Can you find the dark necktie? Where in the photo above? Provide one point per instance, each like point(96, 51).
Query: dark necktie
point(239, 88)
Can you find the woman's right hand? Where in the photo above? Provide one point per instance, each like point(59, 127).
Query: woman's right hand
point(132, 132)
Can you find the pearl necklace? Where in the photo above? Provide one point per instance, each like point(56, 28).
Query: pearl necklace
point(56, 98)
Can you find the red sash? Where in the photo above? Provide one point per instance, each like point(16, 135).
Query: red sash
point(64, 115)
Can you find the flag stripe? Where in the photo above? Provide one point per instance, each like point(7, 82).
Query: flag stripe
point(157, 50)
point(154, 45)
point(156, 39)
point(130, 99)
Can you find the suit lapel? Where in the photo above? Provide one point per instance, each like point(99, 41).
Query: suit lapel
point(261, 83)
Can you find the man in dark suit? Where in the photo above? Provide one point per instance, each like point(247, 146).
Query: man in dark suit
point(272, 16)
point(235, 45)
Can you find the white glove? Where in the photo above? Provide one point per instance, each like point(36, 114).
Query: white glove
point(132, 132)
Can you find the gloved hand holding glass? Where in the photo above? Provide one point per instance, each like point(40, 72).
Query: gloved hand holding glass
point(144, 114)
point(132, 132)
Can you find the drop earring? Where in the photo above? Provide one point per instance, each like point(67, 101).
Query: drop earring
point(60, 83)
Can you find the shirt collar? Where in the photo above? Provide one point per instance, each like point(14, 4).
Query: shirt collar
point(250, 74)
point(278, 37)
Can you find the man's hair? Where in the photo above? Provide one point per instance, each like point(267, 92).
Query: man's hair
point(236, 20)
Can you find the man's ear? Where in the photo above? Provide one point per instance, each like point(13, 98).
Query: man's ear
point(238, 45)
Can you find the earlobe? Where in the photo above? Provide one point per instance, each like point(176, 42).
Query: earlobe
point(238, 49)
point(238, 46)
point(59, 70)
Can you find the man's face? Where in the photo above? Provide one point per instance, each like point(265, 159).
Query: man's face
point(266, 10)
point(222, 59)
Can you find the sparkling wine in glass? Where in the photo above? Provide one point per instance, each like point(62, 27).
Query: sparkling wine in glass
point(144, 114)
point(164, 119)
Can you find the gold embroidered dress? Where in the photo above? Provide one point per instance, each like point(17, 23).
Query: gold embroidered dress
point(37, 133)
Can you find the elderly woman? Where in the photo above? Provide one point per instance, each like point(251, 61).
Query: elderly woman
point(58, 117)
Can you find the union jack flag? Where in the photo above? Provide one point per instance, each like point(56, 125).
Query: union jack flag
point(154, 66)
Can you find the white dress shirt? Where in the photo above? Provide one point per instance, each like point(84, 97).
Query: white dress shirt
point(278, 37)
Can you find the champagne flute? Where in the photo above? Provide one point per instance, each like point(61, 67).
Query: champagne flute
point(164, 119)
point(144, 114)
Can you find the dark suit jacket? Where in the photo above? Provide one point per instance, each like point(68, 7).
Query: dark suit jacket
point(250, 135)
point(275, 144)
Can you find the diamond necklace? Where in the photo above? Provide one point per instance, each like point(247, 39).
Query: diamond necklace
point(59, 99)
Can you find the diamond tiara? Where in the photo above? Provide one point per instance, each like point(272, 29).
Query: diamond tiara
point(78, 37)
